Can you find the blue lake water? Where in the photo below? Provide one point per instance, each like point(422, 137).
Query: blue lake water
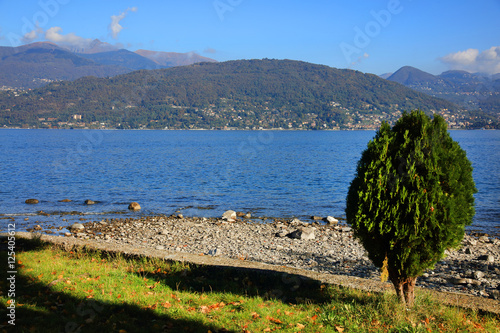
point(202, 173)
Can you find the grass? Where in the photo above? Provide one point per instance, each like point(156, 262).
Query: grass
point(90, 291)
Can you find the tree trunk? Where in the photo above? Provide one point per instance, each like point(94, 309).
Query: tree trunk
point(405, 288)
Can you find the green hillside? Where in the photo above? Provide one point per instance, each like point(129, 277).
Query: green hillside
point(244, 93)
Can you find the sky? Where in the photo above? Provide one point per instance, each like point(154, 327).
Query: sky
point(372, 36)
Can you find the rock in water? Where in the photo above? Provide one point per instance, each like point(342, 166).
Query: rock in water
point(31, 201)
point(229, 216)
point(134, 206)
point(65, 200)
point(89, 202)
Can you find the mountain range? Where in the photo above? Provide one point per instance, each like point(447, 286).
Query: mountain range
point(472, 91)
point(66, 80)
point(34, 65)
point(241, 94)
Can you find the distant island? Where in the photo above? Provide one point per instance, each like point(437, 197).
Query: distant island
point(242, 94)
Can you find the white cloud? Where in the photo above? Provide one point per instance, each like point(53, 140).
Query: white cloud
point(54, 35)
point(115, 26)
point(359, 59)
point(471, 60)
point(32, 35)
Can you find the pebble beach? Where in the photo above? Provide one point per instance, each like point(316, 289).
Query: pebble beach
point(324, 245)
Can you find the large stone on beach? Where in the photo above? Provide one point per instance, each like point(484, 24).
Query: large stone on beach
point(296, 222)
point(229, 216)
point(305, 233)
point(134, 206)
point(282, 233)
point(214, 252)
point(75, 227)
point(89, 202)
point(331, 220)
point(487, 258)
point(31, 201)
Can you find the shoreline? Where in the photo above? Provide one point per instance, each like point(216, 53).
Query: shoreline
point(58, 222)
point(474, 269)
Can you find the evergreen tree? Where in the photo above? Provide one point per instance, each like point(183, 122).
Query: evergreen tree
point(411, 198)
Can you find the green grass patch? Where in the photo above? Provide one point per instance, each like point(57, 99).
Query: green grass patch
point(92, 291)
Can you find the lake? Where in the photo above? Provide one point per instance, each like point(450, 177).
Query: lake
point(202, 173)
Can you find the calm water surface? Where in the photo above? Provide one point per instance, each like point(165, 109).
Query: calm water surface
point(202, 173)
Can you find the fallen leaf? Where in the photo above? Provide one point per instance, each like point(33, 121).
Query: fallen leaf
point(255, 315)
point(153, 307)
point(167, 305)
point(300, 326)
point(313, 318)
point(339, 329)
point(274, 320)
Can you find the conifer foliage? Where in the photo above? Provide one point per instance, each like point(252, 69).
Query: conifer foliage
point(411, 198)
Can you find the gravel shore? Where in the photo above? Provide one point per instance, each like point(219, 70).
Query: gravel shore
point(474, 269)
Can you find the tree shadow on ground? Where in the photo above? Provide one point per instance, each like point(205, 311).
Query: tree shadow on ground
point(61, 312)
point(248, 282)
point(55, 311)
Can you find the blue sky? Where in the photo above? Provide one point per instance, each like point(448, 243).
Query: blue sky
point(369, 36)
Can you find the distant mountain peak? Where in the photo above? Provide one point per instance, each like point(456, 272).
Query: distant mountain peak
point(171, 59)
point(409, 75)
point(385, 75)
point(469, 90)
point(95, 46)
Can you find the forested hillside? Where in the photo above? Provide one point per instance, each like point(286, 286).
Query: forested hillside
point(245, 93)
